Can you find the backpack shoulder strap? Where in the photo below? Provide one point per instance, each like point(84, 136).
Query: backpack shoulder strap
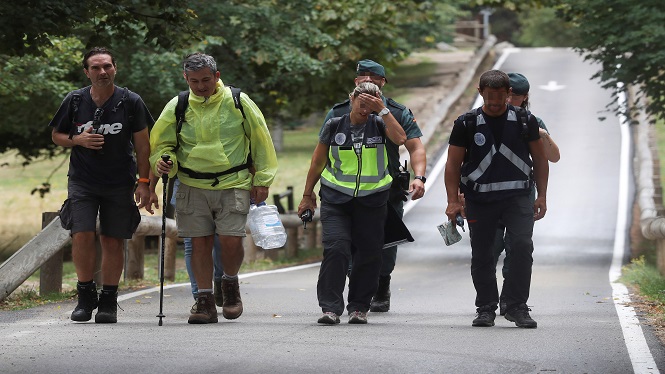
point(235, 93)
point(180, 108)
point(523, 116)
point(74, 103)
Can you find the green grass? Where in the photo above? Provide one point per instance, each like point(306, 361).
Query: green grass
point(642, 273)
point(22, 218)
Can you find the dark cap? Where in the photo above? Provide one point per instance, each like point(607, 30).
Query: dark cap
point(519, 83)
point(370, 66)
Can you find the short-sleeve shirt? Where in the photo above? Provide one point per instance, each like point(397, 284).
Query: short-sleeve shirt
point(120, 119)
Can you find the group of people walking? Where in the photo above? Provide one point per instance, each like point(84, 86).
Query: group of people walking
point(222, 155)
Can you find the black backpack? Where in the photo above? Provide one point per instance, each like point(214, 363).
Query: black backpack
point(181, 107)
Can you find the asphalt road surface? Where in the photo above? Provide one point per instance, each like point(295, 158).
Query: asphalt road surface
point(428, 329)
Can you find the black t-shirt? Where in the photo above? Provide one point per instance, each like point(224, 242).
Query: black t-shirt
point(460, 138)
point(116, 164)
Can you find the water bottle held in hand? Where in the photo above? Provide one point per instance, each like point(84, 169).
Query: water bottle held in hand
point(266, 228)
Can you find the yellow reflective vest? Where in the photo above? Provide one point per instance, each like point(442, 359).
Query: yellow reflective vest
point(354, 173)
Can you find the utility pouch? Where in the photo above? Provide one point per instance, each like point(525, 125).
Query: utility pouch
point(65, 214)
point(449, 233)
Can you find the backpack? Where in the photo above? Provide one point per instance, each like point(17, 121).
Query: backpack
point(76, 101)
point(181, 107)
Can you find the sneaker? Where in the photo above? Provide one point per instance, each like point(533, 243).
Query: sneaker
point(520, 315)
point(232, 307)
point(381, 300)
point(87, 302)
point(108, 307)
point(204, 310)
point(484, 317)
point(219, 295)
point(357, 318)
point(329, 318)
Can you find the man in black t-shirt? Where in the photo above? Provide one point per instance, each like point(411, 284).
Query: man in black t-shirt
point(107, 129)
point(493, 160)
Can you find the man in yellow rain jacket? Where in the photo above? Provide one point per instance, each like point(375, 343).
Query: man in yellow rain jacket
point(211, 152)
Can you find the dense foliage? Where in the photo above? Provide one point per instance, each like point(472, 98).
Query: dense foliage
point(626, 38)
point(292, 57)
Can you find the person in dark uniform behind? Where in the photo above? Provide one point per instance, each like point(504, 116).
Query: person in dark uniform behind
point(391, 112)
point(494, 158)
point(351, 161)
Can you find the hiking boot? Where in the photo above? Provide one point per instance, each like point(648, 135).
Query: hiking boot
point(329, 318)
point(219, 295)
point(502, 308)
point(484, 317)
point(232, 307)
point(108, 307)
point(520, 315)
point(381, 300)
point(204, 310)
point(87, 302)
point(357, 317)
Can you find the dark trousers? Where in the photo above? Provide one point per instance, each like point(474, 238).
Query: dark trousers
point(516, 214)
point(350, 231)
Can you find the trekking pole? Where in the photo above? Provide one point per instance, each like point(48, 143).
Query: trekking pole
point(165, 180)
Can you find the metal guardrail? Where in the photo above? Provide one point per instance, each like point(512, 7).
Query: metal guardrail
point(652, 223)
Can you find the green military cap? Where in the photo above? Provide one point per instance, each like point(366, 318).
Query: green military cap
point(519, 83)
point(370, 66)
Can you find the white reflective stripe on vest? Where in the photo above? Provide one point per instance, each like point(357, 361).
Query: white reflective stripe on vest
point(512, 157)
point(498, 186)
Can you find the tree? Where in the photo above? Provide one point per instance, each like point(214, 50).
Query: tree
point(293, 57)
point(26, 31)
point(625, 37)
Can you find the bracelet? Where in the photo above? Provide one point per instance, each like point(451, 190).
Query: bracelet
point(144, 180)
point(306, 195)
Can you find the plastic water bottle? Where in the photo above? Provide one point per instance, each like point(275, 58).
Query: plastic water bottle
point(266, 227)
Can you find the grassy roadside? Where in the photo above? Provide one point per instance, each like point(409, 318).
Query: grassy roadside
point(22, 220)
point(642, 274)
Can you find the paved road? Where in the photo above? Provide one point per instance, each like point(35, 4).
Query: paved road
point(429, 328)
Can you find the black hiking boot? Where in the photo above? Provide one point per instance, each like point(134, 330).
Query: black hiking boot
point(520, 315)
point(108, 307)
point(381, 300)
point(484, 317)
point(87, 302)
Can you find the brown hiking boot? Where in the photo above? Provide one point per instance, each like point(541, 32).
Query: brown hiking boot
point(219, 295)
point(232, 307)
point(204, 310)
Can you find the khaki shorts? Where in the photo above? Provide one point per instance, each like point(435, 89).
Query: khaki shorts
point(206, 212)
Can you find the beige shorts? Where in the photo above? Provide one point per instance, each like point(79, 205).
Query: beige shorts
point(205, 212)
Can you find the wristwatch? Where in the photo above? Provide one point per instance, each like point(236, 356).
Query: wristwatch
point(383, 112)
point(422, 178)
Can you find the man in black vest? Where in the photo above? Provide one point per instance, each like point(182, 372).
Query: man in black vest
point(390, 110)
point(493, 160)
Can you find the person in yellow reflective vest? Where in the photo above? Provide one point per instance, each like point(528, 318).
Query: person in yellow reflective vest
point(351, 162)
